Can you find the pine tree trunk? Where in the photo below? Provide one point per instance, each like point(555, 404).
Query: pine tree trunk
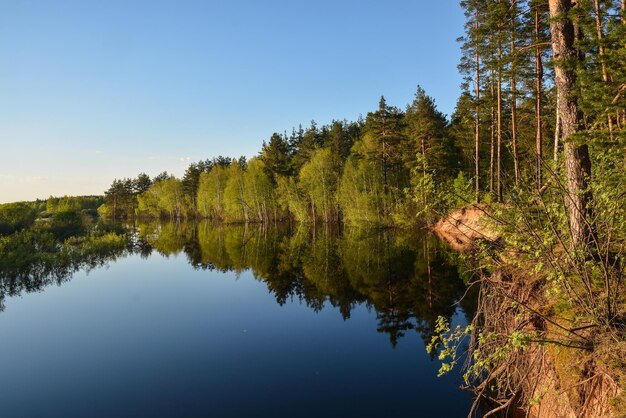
point(514, 130)
point(492, 149)
point(577, 162)
point(477, 121)
point(423, 148)
point(385, 186)
point(538, 91)
point(557, 134)
point(499, 128)
point(605, 75)
point(514, 100)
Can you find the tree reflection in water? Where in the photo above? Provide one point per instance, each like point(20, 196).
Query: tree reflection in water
point(408, 278)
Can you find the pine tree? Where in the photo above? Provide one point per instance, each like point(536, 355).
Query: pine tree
point(427, 134)
point(142, 183)
point(275, 155)
point(383, 130)
point(190, 182)
point(340, 139)
point(302, 145)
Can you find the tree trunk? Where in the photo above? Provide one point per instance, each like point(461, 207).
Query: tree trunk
point(538, 91)
point(605, 75)
point(477, 121)
point(557, 135)
point(423, 147)
point(385, 165)
point(514, 130)
point(492, 148)
point(577, 162)
point(499, 129)
point(514, 98)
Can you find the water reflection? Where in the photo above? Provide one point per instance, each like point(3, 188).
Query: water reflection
point(31, 262)
point(409, 279)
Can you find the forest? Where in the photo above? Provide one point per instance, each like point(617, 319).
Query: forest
point(361, 172)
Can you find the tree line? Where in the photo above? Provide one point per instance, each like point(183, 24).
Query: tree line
point(362, 171)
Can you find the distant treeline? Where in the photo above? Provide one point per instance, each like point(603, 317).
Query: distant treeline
point(375, 170)
point(56, 213)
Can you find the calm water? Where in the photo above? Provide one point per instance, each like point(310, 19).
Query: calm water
point(197, 320)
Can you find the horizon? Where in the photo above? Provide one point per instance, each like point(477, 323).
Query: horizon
point(102, 91)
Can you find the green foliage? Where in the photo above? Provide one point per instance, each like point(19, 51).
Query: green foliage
point(340, 137)
point(292, 199)
point(163, 198)
point(16, 216)
point(211, 193)
point(69, 204)
point(361, 195)
point(463, 190)
point(601, 74)
point(235, 205)
point(427, 201)
point(105, 211)
point(191, 180)
point(275, 155)
point(586, 278)
point(447, 342)
point(451, 345)
point(382, 144)
point(249, 195)
point(120, 198)
point(302, 144)
point(318, 179)
point(259, 192)
point(427, 131)
point(67, 224)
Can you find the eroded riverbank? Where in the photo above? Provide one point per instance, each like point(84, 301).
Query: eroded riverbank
point(537, 363)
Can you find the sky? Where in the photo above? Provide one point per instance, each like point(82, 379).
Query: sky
point(96, 90)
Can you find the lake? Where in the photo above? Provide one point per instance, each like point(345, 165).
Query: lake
point(192, 320)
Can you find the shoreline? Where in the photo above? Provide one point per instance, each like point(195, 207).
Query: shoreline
point(549, 379)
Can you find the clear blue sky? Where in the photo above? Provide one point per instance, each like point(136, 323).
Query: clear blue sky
point(92, 90)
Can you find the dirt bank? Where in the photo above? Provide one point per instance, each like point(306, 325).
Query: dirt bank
point(464, 228)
